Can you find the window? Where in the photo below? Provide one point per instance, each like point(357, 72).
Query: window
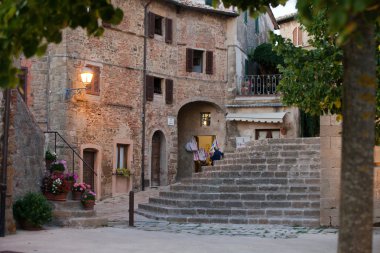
point(122, 156)
point(208, 2)
point(297, 36)
point(246, 17)
point(246, 67)
point(205, 119)
point(197, 61)
point(267, 134)
point(94, 87)
point(194, 61)
point(157, 85)
point(23, 82)
point(257, 27)
point(158, 24)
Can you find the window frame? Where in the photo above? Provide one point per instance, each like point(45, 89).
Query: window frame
point(125, 155)
point(257, 131)
point(206, 116)
point(155, 81)
point(158, 30)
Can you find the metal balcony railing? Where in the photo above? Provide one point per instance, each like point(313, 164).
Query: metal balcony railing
point(257, 85)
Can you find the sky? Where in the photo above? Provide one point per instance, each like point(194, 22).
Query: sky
point(280, 10)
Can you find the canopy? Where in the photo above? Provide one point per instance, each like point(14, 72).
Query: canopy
point(270, 117)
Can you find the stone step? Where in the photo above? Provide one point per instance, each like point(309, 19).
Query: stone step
point(247, 181)
point(81, 222)
point(269, 161)
point(239, 195)
point(302, 188)
point(248, 202)
point(238, 219)
point(263, 167)
point(272, 154)
point(73, 213)
point(66, 205)
point(255, 174)
point(274, 144)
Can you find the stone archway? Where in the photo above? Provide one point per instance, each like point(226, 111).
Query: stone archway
point(189, 125)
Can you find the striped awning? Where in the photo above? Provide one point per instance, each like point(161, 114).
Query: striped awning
point(271, 117)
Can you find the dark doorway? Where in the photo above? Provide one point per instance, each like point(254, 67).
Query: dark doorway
point(88, 174)
point(156, 154)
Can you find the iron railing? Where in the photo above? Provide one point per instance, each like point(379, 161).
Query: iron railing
point(257, 85)
point(75, 153)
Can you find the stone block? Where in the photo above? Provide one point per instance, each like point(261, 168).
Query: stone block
point(325, 120)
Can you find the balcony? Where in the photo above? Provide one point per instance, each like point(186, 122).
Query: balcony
point(257, 85)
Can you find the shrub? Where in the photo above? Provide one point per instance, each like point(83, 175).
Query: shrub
point(34, 208)
point(58, 166)
point(51, 156)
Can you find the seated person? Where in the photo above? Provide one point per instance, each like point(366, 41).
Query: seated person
point(216, 156)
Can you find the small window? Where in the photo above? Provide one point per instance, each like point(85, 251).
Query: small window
point(267, 134)
point(122, 156)
point(197, 61)
point(257, 27)
point(208, 2)
point(205, 119)
point(94, 87)
point(157, 89)
point(158, 24)
point(23, 82)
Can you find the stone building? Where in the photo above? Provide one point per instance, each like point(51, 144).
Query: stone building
point(155, 87)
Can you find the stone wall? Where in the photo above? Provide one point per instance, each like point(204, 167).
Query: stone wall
point(26, 163)
point(331, 147)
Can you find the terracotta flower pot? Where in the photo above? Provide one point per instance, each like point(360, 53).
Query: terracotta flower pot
point(88, 204)
point(76, 195)
point(56, 197)
point(27, 225)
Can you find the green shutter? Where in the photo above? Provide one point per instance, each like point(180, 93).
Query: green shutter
point(246, 17)
point(208, 2)
point(246, 67)
point(257, 29)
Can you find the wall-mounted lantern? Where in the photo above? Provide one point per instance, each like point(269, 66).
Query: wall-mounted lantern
point(86, 76)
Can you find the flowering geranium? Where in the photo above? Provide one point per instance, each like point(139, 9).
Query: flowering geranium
point(88, 195)
point(81, 187)
point(55, 184)
point(73, 177)
point(58, 166)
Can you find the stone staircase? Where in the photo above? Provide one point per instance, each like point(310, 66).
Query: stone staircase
point(268, 182)
point(70, 213)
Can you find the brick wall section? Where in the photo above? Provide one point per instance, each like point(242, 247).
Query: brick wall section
point(26, 163)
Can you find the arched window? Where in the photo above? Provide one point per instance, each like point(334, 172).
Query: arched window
point(297, 36)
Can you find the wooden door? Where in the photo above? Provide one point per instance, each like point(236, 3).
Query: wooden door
point(156, 151)
point(88, 175)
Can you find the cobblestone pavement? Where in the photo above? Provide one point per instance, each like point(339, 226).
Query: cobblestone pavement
point(116, 210)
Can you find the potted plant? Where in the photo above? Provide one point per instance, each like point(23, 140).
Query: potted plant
point(32, 211)
point(88, 199)
point(78, 189)
point(58, 166)
point(71, 178)
point(55, 187)
point(125, 172)
point(50, 157)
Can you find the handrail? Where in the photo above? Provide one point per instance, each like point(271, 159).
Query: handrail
point(74, 152)
point(257, 85)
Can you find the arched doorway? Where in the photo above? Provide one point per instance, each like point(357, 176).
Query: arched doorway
point(158, 175)
point(204, 121)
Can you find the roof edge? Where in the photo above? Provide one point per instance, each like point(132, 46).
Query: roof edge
point(215, 11)
point(272, 18)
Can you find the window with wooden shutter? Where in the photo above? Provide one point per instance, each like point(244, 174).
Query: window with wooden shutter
point(209, 62)
point(149, 88)
point(151, 24)
point(168, 30)
point(297, 36)
point(169, 91)
point(94, 87)
point(189, 60)
point(23, 82)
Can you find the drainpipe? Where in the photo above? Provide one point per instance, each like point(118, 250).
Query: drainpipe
point(144, 96)
point(4, 163)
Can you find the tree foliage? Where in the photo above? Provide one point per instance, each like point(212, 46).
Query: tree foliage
point(28, 26)
point(266, 57)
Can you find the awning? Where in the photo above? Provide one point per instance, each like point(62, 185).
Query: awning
point(271, 117)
